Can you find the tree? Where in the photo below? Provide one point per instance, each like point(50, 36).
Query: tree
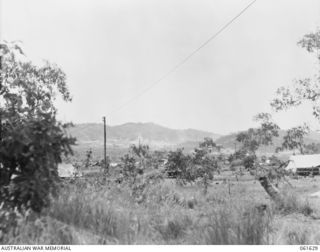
point(252, 139)
point(204, 163)
point(249, 140)
point(129, 169)
point(312, 148)
point(32, 140)
point(142, 152)
point(294, 138)
point(267, 130)
point(302, 91)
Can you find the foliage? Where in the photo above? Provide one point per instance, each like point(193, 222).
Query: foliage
point(267, 130)
point(249, 140)
point(200, 166)
point(169, 214)
point(32, 140)
point(249, 162)
point(313, 148)
point(252, 139)
point(205, 163)
point(129, 169)
point(294, 138)
point(178, 166)
point(207, 143)
point(157, 159)
point(274, 171)
point(238, 155)
point(142, 151)
point(304, 90)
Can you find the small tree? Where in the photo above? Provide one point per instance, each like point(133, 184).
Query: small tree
point(178, 166)
point(129, 169)
point(254, 138)
point(205, 165)
point(142, 152)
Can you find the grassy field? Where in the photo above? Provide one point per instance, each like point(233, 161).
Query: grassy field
point(163, 212)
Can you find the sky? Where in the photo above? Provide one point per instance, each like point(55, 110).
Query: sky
point(111, 50)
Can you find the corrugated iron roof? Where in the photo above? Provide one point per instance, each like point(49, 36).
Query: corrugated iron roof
point(303, 161)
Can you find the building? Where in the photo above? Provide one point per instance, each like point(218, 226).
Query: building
point(304, 164)
point(67, 171)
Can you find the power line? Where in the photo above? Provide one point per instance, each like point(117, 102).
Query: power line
point(184, 60)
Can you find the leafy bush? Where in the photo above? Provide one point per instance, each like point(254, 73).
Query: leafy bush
point(129, 170)
point(178, 166)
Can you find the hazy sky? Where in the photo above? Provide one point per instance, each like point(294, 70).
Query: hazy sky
point(113, 49)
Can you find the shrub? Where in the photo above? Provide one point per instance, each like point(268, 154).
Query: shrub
point(178, 166)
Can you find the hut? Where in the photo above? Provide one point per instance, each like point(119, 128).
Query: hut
point(67, 171)
point(304, 164)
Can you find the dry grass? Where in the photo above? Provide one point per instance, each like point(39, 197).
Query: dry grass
point(293, 204)
point(164, 213)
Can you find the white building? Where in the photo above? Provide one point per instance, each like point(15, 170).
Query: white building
point(67, 171)
point(304, 164)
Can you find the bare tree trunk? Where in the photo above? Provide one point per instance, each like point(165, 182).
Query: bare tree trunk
point(271, 190)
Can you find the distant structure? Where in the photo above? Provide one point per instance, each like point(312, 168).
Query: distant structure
point(67, 171)
point(304, 164)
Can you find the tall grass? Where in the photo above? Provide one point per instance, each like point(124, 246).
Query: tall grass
point(291, 203)
point(111, 214)
point(238, 225)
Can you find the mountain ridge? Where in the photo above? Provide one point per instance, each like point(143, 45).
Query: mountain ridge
point(149, 133)
point(160, 136)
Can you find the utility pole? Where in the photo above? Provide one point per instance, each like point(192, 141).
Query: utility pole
point(105, 143)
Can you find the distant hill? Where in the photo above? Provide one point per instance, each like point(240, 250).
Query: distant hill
point(148, 133)
point(121, 136)
point(228, 141)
